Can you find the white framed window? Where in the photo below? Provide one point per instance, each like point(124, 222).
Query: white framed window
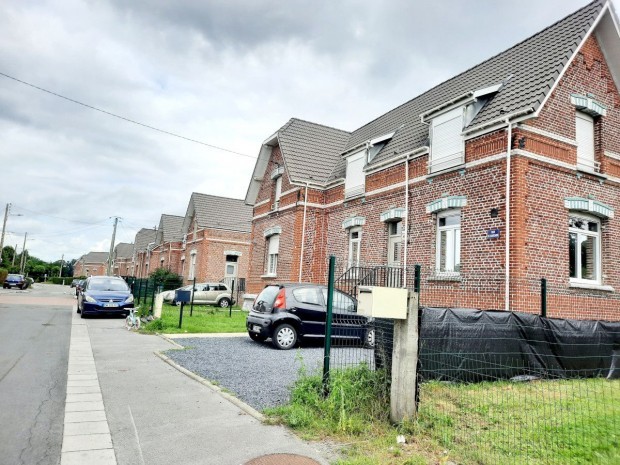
point(355, 241)
point(395, 240)
point(447, 144)
point(192, 265)
point(277, 192)
point(584, 132)
point(273, 247)
point(355, 181)
point(448, 254)
point(584, 249)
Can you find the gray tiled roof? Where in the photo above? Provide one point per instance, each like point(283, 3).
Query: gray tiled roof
point(310, 150)
point(94, 257)
point(221, 212)
point(143, 238)
point(170, 229)
point(123, 250)
point(534, 65)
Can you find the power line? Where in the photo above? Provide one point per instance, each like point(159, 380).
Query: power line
point(55, 217)
point(127, 119)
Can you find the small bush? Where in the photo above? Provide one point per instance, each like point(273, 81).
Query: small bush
point(64, 280)
point(155, 325)
point(3, 274)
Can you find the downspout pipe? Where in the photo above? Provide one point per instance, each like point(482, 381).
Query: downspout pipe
point(405, 237)
point(303, 233)
point(507, 257)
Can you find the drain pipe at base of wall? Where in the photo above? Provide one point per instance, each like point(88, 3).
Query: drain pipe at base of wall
point(507, 283)
point(303, 232)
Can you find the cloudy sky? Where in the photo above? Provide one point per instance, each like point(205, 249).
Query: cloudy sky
point(225, 73)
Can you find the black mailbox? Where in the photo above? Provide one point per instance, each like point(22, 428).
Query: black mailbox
point(183, 296)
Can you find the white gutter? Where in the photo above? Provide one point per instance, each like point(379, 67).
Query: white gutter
point(507, 270)
point(303, 233)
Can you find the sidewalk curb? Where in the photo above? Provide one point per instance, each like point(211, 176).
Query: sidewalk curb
point(232, 399)
point(166, 338)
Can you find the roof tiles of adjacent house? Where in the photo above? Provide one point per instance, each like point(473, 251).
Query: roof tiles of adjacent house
point(144, 237)
point(170, 229)
point(94, 257)
point(218, 213)
point(522, 77)
point(123, 250)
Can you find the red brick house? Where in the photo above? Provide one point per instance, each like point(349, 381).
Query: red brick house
point(168, 245)
point(143, 246)
point(515, 161)
point(216, 239)
point(91, 264)
point(121, 260)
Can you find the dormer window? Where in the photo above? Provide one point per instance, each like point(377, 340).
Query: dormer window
point(447, 145)
point(355, 181)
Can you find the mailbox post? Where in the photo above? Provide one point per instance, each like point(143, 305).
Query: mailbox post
point(183, 297)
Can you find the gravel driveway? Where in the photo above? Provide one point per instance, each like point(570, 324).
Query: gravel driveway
point(255, 372)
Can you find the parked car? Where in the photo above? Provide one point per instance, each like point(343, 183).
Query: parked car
point(107, 295)
point(79, 286)
point(217, 294)
point(287, 313)
point(15, 280)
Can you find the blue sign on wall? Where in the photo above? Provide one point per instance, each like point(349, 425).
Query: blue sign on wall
point(493, 233)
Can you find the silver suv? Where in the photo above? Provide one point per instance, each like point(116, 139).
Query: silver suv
point(207, 293)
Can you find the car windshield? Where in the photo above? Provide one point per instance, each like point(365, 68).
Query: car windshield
point(108, 285)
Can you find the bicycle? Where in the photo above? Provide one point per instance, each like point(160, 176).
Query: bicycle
point(133, 320)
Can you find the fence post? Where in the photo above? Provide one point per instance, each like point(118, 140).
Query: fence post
point(543, 297)
point(328, 323)
point(139, 289)
point(417, 278)
point(191, 308)
point(181, 314)
point(153, 297)
point(403, 403)
point(232, 290)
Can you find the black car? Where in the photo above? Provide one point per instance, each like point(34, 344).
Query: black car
point(287, 313)
point(15, 280)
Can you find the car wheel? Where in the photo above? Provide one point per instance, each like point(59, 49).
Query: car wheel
point(257, 337)
point(369, 339)
point(284, 337)
point(174, 302)
point(82, 314)
point(224, 303)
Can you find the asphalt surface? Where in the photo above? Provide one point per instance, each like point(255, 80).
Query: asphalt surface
point(257, 373)
point(34, 348)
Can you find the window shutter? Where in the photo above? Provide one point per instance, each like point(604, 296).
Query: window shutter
point(274, 244)
point(354, 183)
point(584, 129)
point(447, 142)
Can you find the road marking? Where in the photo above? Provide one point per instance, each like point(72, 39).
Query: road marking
point(135, 430)
point(86, 435)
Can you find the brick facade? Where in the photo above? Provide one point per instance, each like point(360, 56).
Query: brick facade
point(543, 174)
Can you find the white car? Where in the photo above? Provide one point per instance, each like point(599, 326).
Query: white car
point(205, 293)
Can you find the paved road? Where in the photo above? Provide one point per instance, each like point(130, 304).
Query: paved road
point(34, 347)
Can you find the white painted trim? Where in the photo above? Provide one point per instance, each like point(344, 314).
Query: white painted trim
point(395, 161)
point(615, 156)
point(226, 241)
point(544, 159)
point(570, 60)
point(262, 202)
point(233, 252)
point(550, 135)
point(593, 286)
point(445, 107)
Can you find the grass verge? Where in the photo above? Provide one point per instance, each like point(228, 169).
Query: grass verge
point(204, 319)
point(568, 422)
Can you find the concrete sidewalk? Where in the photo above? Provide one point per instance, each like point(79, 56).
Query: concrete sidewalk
point(158, 415)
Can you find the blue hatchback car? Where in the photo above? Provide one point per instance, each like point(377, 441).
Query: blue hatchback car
point(105, 295)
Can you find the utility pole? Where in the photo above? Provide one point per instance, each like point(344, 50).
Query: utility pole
point(22, 263)
point(112, 246)
point(14, 253)
point(62, 261)
point(6, 215)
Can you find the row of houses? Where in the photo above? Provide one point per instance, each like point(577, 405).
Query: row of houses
point(495, 178)
point(210, 243)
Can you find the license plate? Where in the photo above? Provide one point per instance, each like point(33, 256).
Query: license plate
point(110, 305)
point(256, 328)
